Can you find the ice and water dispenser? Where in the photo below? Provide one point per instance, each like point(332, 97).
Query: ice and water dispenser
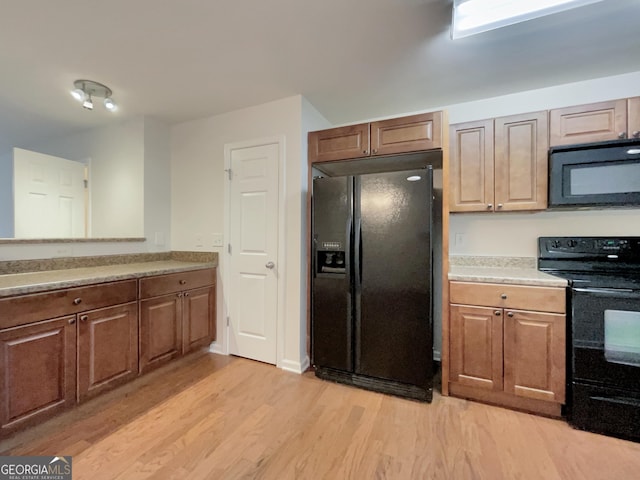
point(330, 258)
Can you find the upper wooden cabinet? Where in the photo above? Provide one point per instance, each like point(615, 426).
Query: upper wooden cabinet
point(499, 165)
point(595, 122)
point(521, 151)
point(397, 135)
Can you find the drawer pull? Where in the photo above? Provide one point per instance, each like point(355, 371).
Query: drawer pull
point(183, 282)
point(72, 321)
point(77, 301)
point(503, 296)
point(497, 313)
point(84, 318)
point(509, 314)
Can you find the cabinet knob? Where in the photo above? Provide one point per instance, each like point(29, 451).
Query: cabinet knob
point(179, 295)
point(365, 152)
point(77, 301)
point(183, 282)
point(374, 151)
point(503, 296)
point(622, 135)
point(72, 321)
point(636, 134)
point(489, 206)
point(499, 205)
point(84, 318)
point(509, 314)
point(497, 313)
point(186, 294)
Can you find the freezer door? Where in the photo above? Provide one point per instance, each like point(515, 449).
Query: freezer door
point(331, 297)
point(393, 325)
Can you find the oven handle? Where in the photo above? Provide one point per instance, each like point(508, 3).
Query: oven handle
point(610, 292)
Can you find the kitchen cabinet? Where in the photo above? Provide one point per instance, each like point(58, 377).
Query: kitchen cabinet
point(177, 315)
point(65, 346)
point(507, 345)
point(37, 372)
point(595, 122)
point(397, 135)
point(107, 349)
point(500, 164)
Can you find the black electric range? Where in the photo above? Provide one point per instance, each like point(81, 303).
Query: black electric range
point(603, 341)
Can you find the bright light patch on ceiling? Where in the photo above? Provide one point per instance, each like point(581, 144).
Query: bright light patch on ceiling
point(477, 16)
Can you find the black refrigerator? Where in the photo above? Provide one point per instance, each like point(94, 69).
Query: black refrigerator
point(371, 282)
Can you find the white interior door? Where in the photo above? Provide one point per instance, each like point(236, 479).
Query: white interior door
point(49, 196)
point(253, 258)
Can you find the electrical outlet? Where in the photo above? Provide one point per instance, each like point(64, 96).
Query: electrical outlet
point(217, 239)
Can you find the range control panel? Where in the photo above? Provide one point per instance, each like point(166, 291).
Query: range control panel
point(588, 247)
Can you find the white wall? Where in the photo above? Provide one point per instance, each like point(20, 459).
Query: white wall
point(514, 234)
point(6, 195)
point(197, 188)
point(157, 185)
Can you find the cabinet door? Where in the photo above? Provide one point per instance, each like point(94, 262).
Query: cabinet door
point(594, 122)
point(160, 330)
point(199, 326)
point(476, 347)
point(634, 117)
point(472, 167)
point(37, 372)
point(534, 355)
point(107, 349)
point(407, 134)
point(521, 151)
point(339, 143)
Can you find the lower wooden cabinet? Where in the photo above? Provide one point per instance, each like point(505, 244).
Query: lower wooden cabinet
point(177, 321)
point(198, 325)
point(160, 330)
point(101, 337)
point(505, 355)
point(37, 372)
point(107, 349)
point(534, 355)
point(476, 347)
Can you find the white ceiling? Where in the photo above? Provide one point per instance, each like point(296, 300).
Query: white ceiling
point(352, 59)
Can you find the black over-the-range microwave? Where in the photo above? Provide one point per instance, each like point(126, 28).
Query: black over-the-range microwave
point(604, 174)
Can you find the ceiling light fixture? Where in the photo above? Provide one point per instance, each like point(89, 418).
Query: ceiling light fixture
point(477, 16)
point(84, 90)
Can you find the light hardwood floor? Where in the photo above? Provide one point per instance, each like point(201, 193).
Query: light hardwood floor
point(215, 417)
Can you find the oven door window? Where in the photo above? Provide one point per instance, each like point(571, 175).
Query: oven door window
point(605, 332)
point(622, 337)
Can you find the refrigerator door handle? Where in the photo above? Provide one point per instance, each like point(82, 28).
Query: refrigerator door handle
point(357, 242)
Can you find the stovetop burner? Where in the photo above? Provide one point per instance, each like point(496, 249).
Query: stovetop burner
point(592, 262)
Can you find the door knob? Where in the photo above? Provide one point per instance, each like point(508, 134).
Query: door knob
point(270, 265)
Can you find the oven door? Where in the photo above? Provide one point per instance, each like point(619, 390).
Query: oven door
point(606, 337)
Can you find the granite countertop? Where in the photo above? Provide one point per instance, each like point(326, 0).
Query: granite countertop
point(22, 283)
point(508, 270)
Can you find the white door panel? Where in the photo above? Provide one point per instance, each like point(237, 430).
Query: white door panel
point(49, 196)
point(254, 243)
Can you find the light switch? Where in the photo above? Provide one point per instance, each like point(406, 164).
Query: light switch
point(217, 239)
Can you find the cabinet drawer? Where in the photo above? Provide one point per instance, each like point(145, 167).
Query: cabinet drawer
point(176, 282)
point(541, 299)
point(41, 306)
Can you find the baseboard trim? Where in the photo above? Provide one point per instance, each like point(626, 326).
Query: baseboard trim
point(217, 348)
point(295, 367)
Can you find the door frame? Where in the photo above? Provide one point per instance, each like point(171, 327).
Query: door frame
point(223, 345)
